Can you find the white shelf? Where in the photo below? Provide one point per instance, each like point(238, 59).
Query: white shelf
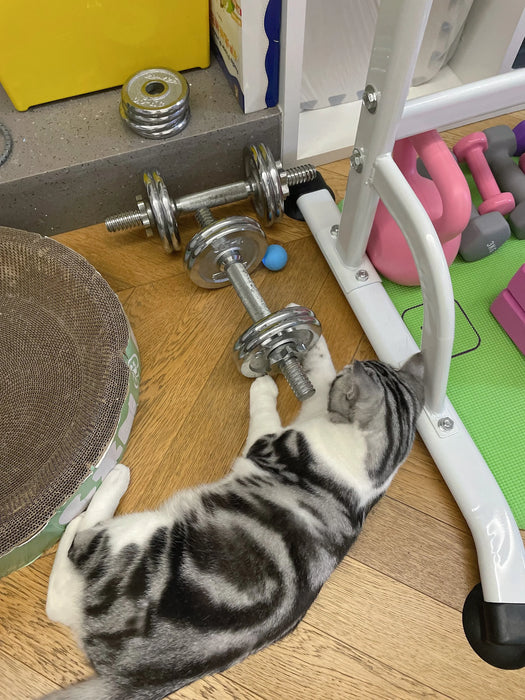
point(328, 134)
point(490, 41)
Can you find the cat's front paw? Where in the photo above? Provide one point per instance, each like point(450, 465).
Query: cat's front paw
point(264, 385)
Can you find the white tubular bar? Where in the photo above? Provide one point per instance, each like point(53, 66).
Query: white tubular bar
point(399, 31)
point(501, 555)
point(464, 104)
point(436, 287)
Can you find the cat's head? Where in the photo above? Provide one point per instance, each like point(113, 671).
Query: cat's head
point(363, 391)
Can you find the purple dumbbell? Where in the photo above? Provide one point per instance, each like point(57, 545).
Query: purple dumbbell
point(519, 133)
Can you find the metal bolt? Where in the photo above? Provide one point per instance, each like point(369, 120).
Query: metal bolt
point(357, 159)
point(445, 424)
point(267, 183)
point(334, 230)
point(361, 275)
point(370, 98)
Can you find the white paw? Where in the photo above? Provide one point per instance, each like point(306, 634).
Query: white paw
point(118, 477)
point(107, 497)
point(264, 385)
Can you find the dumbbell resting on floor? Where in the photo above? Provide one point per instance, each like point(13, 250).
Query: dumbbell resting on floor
point(499, 154)
point(484, 234)
point(224, 252)
point(267, 184)
point(470, 149)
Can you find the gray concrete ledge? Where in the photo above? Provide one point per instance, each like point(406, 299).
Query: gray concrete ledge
point(74, 162)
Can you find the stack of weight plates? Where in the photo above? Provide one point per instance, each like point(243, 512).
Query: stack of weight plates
point(69, 381)
point(155, 103)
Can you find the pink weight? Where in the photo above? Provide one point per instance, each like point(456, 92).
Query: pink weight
point(446, 198)
point(503, 202)
point(511, 317)
point(470, 149)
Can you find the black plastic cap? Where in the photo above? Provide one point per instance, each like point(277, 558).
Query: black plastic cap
point(290, 203)
point(496, 631)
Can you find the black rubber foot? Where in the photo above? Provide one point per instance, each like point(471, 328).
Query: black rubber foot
point(290, 203)
point(496, 631)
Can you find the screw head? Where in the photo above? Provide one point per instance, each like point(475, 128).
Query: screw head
point(361, 275)
point(370, 98)
point(445, 424)
point(334, 230)
point(357, 159)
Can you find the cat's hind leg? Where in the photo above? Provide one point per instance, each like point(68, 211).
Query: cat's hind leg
point(64, 593)
point(320, 369)
point(264, 418)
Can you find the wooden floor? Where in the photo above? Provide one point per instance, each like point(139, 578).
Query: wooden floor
point(388, 622)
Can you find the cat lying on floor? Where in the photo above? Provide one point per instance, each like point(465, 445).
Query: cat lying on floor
point(161, 598)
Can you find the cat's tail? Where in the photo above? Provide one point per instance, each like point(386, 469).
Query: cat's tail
point(99, 688)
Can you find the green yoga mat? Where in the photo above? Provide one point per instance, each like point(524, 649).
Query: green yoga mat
point(487, 373)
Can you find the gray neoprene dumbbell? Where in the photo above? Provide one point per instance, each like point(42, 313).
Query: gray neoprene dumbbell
point(484, 234)
point(510, 178)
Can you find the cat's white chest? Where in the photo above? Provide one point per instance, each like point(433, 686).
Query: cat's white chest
point(342, 448)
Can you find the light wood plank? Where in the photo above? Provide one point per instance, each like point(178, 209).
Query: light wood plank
point(20, 682)
point(418, 550)
point(317, 666)
point(409, 631)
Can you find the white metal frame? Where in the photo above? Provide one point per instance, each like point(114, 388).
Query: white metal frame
point(400, 27)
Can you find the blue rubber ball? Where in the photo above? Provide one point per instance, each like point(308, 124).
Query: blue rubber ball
point(275, 257)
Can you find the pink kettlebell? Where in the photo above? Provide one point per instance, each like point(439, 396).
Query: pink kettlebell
point(446, 198)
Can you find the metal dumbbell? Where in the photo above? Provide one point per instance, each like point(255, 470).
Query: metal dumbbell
point(267, 184)
point(224, 252)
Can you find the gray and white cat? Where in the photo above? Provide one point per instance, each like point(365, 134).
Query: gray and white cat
point(159, 599)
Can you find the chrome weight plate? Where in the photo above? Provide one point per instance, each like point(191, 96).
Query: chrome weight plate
point(270, 187)
point(155, 103)
point(236, 235)
point(258, 348)
point(163, 210)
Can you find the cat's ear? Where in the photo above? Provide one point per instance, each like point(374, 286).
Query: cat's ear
point(368, 398)
point(414, 370)
point(414, 366)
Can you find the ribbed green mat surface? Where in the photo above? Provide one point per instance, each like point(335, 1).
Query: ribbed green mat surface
point(487, 374)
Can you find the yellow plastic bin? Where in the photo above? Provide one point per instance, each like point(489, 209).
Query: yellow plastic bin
point(60, 48)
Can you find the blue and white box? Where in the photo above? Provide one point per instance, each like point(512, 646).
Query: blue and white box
point(246, 35)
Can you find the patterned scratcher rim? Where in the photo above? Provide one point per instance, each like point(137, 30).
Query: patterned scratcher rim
point(27, 552)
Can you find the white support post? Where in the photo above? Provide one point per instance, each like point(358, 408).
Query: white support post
point(399, 31)
point(436, 287)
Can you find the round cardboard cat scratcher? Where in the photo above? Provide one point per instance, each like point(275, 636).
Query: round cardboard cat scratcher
point(69, 380)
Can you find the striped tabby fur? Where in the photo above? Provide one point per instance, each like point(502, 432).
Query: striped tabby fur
point(162, 598)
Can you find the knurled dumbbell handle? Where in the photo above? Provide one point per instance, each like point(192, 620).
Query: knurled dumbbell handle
point(247, 291)
point(255, 305)
point(215, 196)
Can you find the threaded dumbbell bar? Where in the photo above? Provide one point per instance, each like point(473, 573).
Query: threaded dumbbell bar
point(224, 252)
point(267, 184)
